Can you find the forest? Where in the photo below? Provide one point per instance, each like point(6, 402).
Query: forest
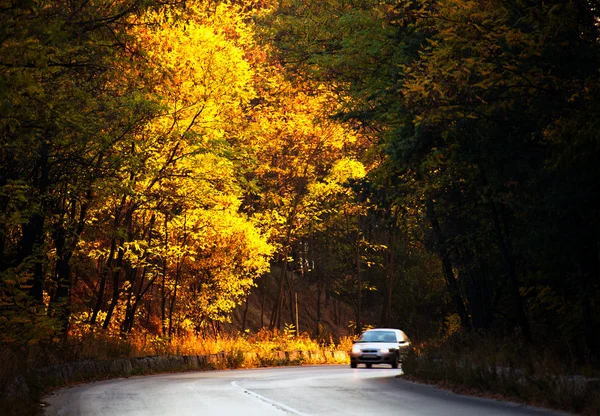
point(429, 165)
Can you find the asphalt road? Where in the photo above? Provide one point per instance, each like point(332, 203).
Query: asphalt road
point(311, 390)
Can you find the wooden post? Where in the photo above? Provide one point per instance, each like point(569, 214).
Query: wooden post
point(297, 328)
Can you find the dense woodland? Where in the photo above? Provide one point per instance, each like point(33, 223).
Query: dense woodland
point(429, 165)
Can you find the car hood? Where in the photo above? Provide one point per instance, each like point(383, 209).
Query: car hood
point(376, 345)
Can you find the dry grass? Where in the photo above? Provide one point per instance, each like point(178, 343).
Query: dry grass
point(100, 346)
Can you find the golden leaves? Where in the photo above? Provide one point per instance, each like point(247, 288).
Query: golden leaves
point(201, 73)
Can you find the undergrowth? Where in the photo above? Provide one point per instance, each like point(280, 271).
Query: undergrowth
point(476, 363)
point(98, 345)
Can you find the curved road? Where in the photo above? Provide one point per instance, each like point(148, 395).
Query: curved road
point(310, 390)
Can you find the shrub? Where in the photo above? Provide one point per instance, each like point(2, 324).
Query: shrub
point(505, 366)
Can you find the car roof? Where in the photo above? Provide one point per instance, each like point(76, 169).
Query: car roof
point(383, 329)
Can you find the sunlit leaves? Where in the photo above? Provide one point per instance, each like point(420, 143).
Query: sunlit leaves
point(201, 75)
point(176, 206)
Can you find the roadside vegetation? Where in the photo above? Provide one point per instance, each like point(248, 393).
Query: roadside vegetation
point(262, 345)
point(27, 374)
point(507, 368)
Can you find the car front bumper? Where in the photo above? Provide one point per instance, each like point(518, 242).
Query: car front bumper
point(373, 357)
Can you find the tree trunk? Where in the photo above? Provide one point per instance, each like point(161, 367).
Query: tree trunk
point(512, 274)
point(277, 306)
point(102, 286)
point(117, 271)
point(244, 316)
point(63, 280)
point(32, 240)
point(390, 269)
point(32, 237)
point(451, 283)
point(174, 298)
point(263, 295)
point(139, 293)
point(64, 250)
point(116, 289)
point(109, 262)
point(129, 276)
point(359, 280)
point(131, 307)
point(318, 323)
point(290, 282)
point(505, 249)
point(479, 296)
point(163, 303)
point(297, 317)
point(138, 300)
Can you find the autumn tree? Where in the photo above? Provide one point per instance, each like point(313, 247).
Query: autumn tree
point(496, 82)
point(297, 147)
point(177, 231)
point(354, 48)
point(68, 100)
point(468, 101)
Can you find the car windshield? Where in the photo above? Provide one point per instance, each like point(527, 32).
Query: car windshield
point(378, 336)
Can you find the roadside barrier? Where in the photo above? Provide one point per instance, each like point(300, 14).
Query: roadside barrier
point(27, 386)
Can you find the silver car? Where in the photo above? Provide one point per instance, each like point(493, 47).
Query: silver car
point(379, 346)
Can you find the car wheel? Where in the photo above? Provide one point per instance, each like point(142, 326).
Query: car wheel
point(353, 365)
point(396, 362)
point(369, 365)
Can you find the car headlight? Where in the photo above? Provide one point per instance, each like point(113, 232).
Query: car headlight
point(355, 348)
point(384, 350)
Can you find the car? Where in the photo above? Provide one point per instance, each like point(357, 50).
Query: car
point(379, 346)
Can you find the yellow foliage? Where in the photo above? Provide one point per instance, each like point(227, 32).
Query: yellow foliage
point(200, 70)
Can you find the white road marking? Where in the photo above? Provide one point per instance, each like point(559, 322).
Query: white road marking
point(278, 405)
